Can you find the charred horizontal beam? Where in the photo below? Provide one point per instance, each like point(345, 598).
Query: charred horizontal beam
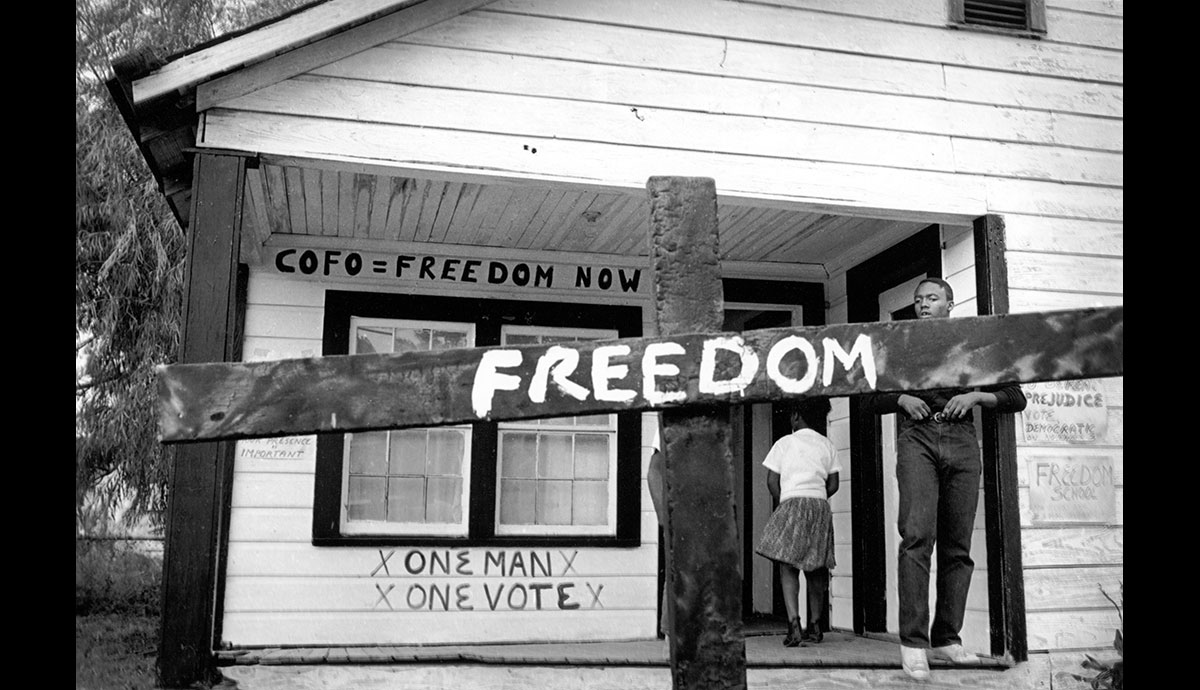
point(380, 391)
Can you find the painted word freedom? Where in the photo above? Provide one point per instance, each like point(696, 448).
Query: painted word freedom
point(610, 379)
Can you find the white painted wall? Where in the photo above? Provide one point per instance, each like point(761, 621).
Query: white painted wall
point(280, 589)
point(872, 108)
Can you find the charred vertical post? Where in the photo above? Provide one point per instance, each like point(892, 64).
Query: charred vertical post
point(199, 476)
point(707, 643)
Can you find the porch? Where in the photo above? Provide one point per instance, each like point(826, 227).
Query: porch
point(842, 660)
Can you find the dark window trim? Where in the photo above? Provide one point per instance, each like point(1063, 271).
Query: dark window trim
point(1035, 21)
point(488, 315)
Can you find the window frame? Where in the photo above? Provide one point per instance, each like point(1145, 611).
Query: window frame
point(373, 527)
point(1035, 20)
point(535, 426)
point(488, 315)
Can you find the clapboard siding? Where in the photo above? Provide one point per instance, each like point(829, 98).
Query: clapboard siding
point(1035, 197)
point(322, 97)
point(1072, 546)
point(362, 593)
point(441, 627)
point(1056, 589)
point(260, 348)
point(1063, 236)
point(611, 167)
point(1026, 91)
point(1091, 629)
point(273, 489)
point(823, 31)
point(855, 108)
point(1063, 24)
point(1083, 28)
point(479, 72)
point(1041, 300)
point(294, 524)
point(1041, 271)
point(1108, 8)
point(281, 559)
point(277, 583)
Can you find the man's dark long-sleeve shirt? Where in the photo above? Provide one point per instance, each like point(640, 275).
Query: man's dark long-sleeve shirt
point(1009, 398)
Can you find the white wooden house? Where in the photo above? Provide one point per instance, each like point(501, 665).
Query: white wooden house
point(373, 175)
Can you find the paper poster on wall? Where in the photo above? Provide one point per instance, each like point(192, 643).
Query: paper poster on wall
point(283, 448)
point(1077, 489)
point(1064, 413)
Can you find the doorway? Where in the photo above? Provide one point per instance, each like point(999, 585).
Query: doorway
point(754, 428)
point(875, 292)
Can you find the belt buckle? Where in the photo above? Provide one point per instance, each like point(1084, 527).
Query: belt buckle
point(941, 416)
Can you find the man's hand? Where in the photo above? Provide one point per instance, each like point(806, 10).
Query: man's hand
point(961, 404)
point(913, 406)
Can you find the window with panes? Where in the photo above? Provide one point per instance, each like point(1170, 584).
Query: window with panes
point(556, 476)
point(563, 480)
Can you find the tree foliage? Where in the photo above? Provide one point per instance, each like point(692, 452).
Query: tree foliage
point(129, 250)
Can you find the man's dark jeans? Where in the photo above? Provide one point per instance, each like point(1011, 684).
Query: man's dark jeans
point(937, 471)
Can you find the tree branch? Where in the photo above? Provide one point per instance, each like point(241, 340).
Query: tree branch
point(83, 386)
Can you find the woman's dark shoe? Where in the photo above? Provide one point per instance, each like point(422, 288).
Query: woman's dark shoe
point(794, 634)
point(812, 633)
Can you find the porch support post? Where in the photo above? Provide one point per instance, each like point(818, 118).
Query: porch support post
point(706, 641)
point(199, 474)
point(1002, 520)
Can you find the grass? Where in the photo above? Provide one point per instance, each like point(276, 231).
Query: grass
point(116, 616)
point(115, 651)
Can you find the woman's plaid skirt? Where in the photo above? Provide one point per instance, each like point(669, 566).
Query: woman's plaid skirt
point(800, 533)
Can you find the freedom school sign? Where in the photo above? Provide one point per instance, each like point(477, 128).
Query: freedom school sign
point(375, 391)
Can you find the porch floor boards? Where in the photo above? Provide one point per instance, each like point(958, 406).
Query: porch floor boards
point(843, 661)
point(764, 649)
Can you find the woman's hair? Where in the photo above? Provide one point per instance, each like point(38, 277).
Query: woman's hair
point(812, 410)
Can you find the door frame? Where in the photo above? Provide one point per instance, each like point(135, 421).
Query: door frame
point(922, 253)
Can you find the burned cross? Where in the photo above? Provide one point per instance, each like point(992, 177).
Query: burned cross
point(690, 372)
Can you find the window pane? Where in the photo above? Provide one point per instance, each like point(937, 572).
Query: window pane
point(445, 452)
point(412, 339)
point(516, 502)
point(518, 453)
point(365, 499)
point(408, 452)
point(443, 500)
point(406, 499)
point(367, 453)
point(521, 339)
point(553, 503)
point(554, 456)
point(372, 340)
point(594, 420)
point(448, 340)
point(591, 503)
point(591, 456)
point(558, 421)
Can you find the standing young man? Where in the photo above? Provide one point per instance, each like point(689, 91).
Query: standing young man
point(937, 471)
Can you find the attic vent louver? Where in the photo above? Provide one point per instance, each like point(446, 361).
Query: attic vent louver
point(1007, 14)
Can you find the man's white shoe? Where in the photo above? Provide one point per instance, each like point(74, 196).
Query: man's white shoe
point(914, 662)
point(954, 653)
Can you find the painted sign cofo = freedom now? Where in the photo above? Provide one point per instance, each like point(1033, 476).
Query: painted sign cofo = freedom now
point(379, 391)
